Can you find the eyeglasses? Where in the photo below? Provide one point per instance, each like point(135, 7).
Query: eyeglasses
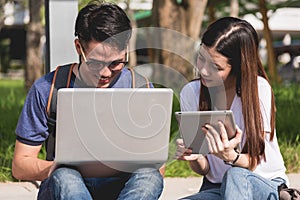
point(98, 65)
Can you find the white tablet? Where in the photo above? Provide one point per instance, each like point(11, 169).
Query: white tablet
point(191, 123)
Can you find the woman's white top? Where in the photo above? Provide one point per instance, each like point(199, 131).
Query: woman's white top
point(273, 167)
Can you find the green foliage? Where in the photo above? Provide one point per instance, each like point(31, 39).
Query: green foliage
point(287, 100)
point(291, 153)
point(82, 3)
point(287, 119)
point(12, 99)
point(179, 168)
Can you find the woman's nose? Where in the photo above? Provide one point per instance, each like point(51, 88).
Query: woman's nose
point(203, 69)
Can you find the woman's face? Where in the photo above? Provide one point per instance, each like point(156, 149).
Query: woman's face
point(101, 63)
point(213, 67)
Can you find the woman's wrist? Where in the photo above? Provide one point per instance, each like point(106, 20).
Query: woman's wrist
point(235, 158)
point(201, 165)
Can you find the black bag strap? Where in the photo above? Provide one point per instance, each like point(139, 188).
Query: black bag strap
point(61, 79)
point(286, 193)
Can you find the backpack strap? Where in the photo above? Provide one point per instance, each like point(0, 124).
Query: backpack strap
point(61, 79)
point(138, 81)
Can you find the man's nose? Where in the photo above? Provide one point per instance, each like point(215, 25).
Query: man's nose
point(105, 71)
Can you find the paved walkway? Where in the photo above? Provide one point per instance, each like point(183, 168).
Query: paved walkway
point(174, 188)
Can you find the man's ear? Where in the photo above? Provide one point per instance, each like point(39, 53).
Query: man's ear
point(77, 46)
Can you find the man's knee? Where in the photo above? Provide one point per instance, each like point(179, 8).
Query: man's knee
point(144, 183)
point(68, 176)
point(149, 173)
point(151, 179)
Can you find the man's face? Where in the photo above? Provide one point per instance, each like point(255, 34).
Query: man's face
point(101, 63)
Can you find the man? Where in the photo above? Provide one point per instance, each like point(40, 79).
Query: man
point(102, 33)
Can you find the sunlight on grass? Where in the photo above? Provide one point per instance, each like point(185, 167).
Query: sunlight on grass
point(12, 95)
point(291, 154)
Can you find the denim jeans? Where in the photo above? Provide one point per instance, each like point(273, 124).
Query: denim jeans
point(239, 183)
point(66, 183)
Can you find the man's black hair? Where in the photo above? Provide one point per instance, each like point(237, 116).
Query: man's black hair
point(103, 21)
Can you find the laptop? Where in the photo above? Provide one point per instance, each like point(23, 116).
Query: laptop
point(101, 132)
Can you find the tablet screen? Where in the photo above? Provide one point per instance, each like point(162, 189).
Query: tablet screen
point(191, 123)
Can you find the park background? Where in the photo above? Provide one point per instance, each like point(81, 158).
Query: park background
point(23, 59)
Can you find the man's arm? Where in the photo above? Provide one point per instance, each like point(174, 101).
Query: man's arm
point(26, 165)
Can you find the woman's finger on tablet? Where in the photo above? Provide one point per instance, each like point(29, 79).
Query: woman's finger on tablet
point(238, 137)
point(211, 142)
point(217, 139)
point(223, 135)
point(179, 141)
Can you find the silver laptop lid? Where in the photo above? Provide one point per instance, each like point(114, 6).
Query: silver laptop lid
point(122, 128)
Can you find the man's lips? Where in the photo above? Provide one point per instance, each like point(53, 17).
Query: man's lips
point(103, 80)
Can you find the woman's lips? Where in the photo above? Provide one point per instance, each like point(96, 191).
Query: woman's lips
point(204, 81)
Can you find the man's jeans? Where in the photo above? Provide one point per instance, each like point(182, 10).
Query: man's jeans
point(66, 183)
point(239, 184)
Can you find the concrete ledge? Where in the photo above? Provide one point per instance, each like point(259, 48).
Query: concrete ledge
point(175, 188)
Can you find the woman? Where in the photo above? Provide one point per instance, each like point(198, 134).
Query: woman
point(233, 78)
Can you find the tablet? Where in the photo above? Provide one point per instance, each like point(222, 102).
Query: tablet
point(191, 123)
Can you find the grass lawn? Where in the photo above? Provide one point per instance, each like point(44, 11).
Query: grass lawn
point(12, 97)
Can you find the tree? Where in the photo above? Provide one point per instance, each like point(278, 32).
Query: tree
point(218, 8)
point(2, 17)
point(34, 64)
point(234, 8)
point(132, 42)
point(272, 69)
point(185, 17)
point(5, 42)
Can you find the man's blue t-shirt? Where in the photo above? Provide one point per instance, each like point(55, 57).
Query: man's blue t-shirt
point(32, 128)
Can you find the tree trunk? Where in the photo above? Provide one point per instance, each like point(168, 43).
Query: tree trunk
point(182, 25)
point(34, 64)
point(272, 69)
point(211, 13)
point(132, 42)
point(234, 8)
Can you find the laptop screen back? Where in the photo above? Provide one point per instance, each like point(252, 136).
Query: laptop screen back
point(123, 129)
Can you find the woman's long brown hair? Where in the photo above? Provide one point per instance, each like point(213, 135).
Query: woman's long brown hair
point(238, 41)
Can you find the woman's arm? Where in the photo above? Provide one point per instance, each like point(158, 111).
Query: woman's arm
point(220, 146)
point(244, 161)
point(26, 165)
point(200, 166)
point(198, 162)
point(240, 160)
